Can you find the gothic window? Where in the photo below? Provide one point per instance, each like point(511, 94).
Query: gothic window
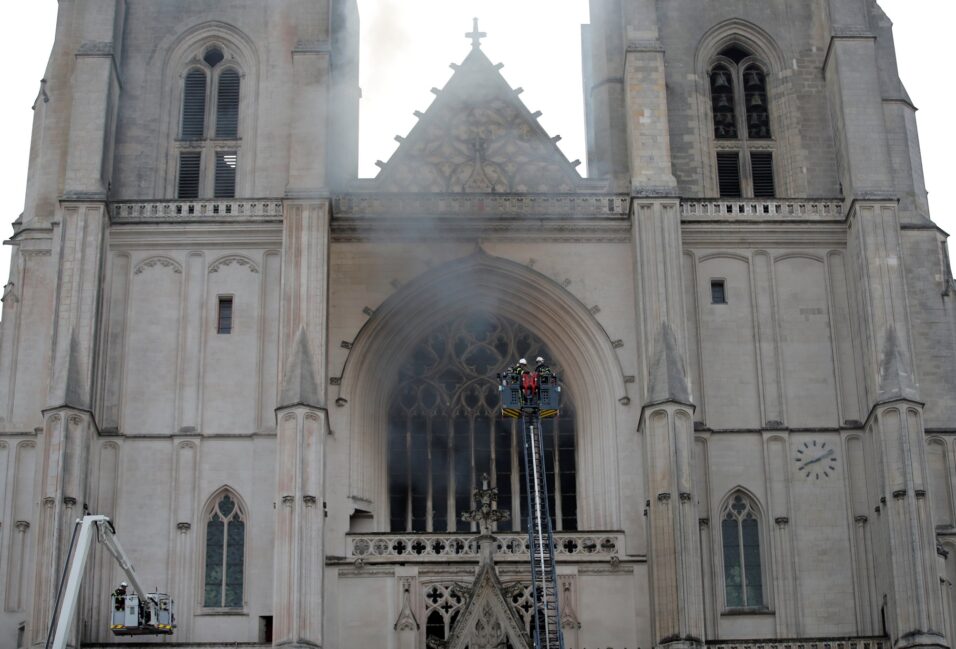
point(225, 554)
point(443, 604)
point(208, 144)
point(446, 431)
point(741, 125)
point(740, 533)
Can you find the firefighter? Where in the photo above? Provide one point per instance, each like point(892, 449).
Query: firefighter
point(119, 596)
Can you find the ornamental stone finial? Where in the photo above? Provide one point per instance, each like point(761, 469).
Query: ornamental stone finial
point(475, 35)
point(485, 513)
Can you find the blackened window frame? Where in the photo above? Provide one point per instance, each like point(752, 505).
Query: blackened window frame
point(422, 428)
point(737, 63)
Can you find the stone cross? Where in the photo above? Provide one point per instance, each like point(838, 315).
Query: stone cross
point(484, 512)
point(475, 35)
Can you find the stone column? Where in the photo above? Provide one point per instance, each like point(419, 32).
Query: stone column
point(310, 118)
point(85, 93)
point(302, 425)
point(67, 435)
point(667, 425)
point(645, 103)
point(69, 426)
point(908, 575)
point(603, 63)
point(304, 286)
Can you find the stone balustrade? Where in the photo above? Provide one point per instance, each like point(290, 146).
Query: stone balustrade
point(760, 209)
point(471, 205)
point(196, 210)
point(512, 546)
point(804, 643)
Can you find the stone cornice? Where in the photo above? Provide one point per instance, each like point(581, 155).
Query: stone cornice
point(434, 229)
point(778, 234)
point(187, 236)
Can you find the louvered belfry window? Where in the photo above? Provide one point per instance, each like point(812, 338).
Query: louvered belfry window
point(194, 105)
point(740, 106)
point(225, 180)
point(728, 173)
point(761, 170)
point(209, 130)
point(189, 169)
point(227, 106)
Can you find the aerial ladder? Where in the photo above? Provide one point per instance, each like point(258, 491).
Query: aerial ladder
point(530, 396)
point(134, 610)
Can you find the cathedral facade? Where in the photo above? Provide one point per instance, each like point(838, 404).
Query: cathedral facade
point(278, 378)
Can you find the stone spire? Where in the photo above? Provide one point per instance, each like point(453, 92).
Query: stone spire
point(299, 385)
point(667, 376)
point(896, 377)
point(74, 390)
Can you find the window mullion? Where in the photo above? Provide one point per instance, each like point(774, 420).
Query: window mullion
point(743, 565)
point(471, 456)
point(429, 494)
point(515, 476)
point(211, 106)
point(556, 467)
point(746, 170)
point(740, 101)
point(408, 472)
point(452, 517)
point(225, 554)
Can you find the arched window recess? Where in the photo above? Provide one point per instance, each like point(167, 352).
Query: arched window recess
point(742, 545)
point(740, 111)
point(224, 552)
point(209, 131)
point(445, 430)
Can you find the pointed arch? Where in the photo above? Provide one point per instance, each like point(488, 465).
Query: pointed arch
point(743, 560)
point(744, 104)
point(592, 370)
point(739, 32)
point(184, 52)
point(224, 523)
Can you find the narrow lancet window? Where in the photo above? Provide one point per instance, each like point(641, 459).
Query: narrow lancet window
point(722, 95)
point(740, 532)
point(741, 121)
point(225, 555)
point(209, 133)
point(755, 99)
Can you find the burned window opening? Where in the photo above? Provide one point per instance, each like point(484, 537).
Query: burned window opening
point(445, 430)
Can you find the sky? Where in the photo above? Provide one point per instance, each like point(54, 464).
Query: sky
point(408, 45)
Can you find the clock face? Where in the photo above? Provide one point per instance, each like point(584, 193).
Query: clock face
point(815, 460)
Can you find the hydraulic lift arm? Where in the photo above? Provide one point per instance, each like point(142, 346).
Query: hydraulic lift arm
point(158, 606)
